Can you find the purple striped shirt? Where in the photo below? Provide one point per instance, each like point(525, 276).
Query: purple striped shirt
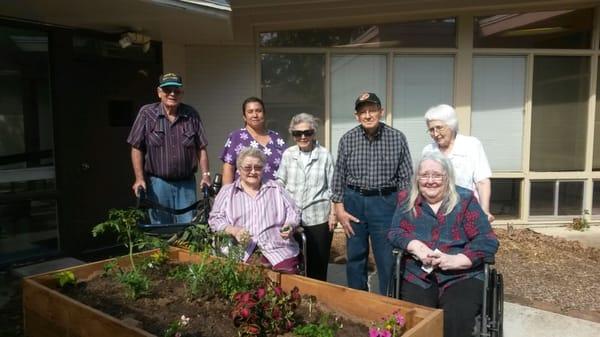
point(262, 216)
point(170, 149)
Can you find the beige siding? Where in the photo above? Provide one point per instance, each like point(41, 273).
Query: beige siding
point(219, 79)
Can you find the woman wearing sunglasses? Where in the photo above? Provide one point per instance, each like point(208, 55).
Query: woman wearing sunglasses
point(259, 213)
point(254, 134)
point(306, 171)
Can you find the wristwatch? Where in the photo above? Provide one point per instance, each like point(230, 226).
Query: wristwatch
point(205, 174)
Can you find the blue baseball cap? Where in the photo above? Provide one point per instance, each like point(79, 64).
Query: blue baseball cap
point(170, 80)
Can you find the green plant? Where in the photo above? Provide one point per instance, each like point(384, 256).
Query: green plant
point(265, 311)
point(65, 278)
point(176, 327)
point(136, 283)
point(124, 222)
point(109, 267)
point(200, 238)
point(326, 327)
point(581, 223)
point(392, 326)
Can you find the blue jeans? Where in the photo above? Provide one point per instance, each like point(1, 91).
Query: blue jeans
point(375, 214)
point(174, 194)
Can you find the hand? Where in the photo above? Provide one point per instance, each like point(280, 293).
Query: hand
point(450, 262)
point(333, 221)
point(240, 234)
point(205, 181)
point(421, 251)
point(136, 185)
point(344, 218)
point(490, 217)
point(286, 231)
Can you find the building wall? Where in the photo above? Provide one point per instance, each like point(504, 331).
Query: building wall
point(219, 79)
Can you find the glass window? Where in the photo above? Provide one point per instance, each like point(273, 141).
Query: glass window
point(429, 33)
point(596, 159)
point(559, 113)
point(568, 28)
point(291, 84)
point(28, 225)
point(542, 198)
point(352, 75)
point(596, 199)
point(506, 198)
point(556, 198)
point(420, 82)
point(498, 107)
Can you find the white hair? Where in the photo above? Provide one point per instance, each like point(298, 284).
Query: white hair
point(250, 152)
point(444, 113)
point(304, 118)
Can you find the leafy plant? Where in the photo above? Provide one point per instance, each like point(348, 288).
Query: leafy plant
point(392, 326)
point(124, 222)
point(200, 238)
point(581, 223)
point(326, 327)
point(136, 283)
point(265, 311)
point(65, 278)
point(177, 327)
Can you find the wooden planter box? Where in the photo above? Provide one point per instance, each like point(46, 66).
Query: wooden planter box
point(48, 313)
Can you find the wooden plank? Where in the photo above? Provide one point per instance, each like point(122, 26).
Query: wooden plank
point(367, 307)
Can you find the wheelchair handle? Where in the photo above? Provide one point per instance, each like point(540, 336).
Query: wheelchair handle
point(141, 196)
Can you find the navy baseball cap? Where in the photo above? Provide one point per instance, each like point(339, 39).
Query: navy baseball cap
point(367, 97)
point(170, 80)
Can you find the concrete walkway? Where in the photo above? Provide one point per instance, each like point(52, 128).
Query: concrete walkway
point(588, 238)
point(519, 320)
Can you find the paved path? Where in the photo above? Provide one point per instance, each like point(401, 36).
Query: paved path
point(588, 238)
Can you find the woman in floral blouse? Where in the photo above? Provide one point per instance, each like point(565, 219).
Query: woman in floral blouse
point(253, 134)
point(446, 235)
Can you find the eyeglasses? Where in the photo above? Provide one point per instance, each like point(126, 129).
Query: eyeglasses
point(368, 112)
point(171, 90)
point(305, 133)
point(250, 168)
point(435, 177)
point(437, 128)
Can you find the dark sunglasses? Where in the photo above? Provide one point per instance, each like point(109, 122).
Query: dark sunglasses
point(300, 133)
point(169, 90)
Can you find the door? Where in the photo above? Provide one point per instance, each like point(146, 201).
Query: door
point(98, 95)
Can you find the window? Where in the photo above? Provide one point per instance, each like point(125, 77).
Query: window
point(554, 198)
point(420, 82)
point(429, 33)
point(568, 28)
point(596, 160)
point(291, 84)
point(352, 75)
point(506, 198)
point(559, 113)
point(498, 108)
point(596, 199)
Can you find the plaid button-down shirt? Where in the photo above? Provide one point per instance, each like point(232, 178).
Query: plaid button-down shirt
point(381, 162)
point(311, 186)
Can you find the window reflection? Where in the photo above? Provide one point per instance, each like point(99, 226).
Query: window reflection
point(430, 33)
point(559, 29)
point(506, 198)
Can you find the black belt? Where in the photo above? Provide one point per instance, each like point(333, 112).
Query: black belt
point(369, 192)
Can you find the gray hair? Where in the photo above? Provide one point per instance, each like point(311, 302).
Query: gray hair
point(304, 118)
point(450, 198)
point(250, 152)
point(444, 113)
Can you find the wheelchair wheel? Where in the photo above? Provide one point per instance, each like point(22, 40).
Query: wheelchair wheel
point(498, 314)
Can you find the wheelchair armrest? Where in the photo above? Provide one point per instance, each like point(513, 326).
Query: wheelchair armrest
point(398, 251)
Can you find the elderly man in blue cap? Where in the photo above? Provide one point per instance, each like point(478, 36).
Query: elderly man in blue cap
point(373, 164)
point(168, 143)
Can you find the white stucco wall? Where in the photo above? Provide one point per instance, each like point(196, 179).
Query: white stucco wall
point(218, 80)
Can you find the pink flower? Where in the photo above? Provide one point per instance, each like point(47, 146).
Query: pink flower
point(260, 293)
point(373, 332)
point(400, 320)
point(245, 313)
point(278, 291)
point(385, 333)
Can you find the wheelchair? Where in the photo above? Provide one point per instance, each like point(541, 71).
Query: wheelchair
point(490, 319)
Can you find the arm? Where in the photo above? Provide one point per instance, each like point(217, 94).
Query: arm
point(292, 213)
point(282, 172)
point(337, 197)
point(137, 161)
point(228, 173)
point(332, 221)
point(204, 167)
point(484, 189)
point(405, 170)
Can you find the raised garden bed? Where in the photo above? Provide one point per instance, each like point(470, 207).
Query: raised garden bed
point(48, 312)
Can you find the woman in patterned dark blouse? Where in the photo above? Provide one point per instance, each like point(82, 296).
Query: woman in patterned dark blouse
point(447, 235)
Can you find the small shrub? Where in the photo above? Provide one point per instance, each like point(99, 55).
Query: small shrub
point(176, 327)
point(265, 311)
point(135, 282)
point(65, 278)
point(327, 327)
point(579, 224)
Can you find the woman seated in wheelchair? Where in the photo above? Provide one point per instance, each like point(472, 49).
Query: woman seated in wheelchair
point(259, 214)
point(446, 235)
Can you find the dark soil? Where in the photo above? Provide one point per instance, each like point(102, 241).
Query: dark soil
point(540, 271)
point(209, 317)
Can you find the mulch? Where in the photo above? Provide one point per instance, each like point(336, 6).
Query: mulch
point(540, 271)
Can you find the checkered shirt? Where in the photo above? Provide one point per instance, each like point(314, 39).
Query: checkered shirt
point(382, 162)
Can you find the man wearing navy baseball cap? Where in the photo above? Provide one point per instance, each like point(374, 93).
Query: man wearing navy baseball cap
point(373, 164)
point(168, 144)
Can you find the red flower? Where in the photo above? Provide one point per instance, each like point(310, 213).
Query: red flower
point(260, 293)
point(278, 291)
